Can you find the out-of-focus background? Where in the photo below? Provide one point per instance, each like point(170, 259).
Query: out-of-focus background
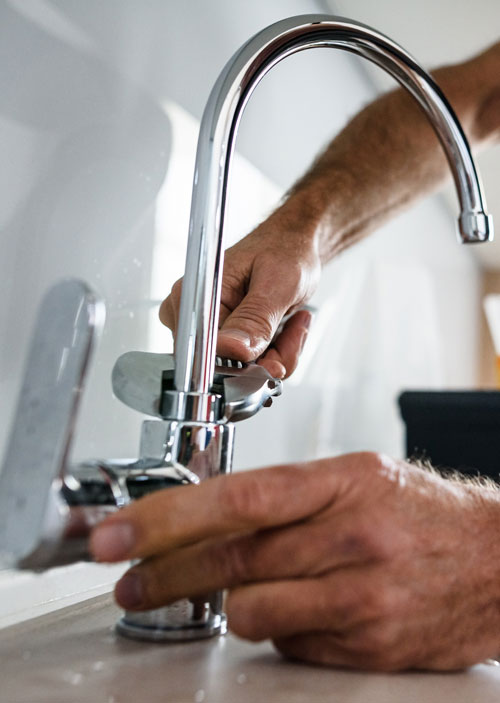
point(100, 105)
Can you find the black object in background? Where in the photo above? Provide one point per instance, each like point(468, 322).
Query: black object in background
point(454, 429)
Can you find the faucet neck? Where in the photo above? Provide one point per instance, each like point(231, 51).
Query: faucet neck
point(199, 311)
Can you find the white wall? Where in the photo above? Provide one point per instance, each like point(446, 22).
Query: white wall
point(99, 105)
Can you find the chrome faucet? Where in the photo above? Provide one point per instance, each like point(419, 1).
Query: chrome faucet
point(48, 505)
point(200, 300)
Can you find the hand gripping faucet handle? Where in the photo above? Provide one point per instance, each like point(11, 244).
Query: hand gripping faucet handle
point(32, 514)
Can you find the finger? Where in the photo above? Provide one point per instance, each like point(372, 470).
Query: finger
point(166, 314)
point(323, 648)
point(169, 309)
point(283, 355)
point(250, 328)
point(334, 649)
point(279, 609)
point(223, 505)
point(305, 549)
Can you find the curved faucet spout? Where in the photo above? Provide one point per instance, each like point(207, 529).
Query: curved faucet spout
point(199, 312)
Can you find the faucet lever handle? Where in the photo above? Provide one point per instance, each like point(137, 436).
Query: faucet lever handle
point(137, 380)
point(68, 319)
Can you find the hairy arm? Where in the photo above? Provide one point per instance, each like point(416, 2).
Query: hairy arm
point(386, 158)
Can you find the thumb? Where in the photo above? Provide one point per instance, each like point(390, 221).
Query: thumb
point(250, 328)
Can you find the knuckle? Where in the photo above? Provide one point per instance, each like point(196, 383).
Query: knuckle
point(370, 462)
point(385, 469)
point(153, 585)
point(342, 610)
point(360, 543)
point(378, 604)
point(176, 288)
point(355, 606)
point(357, 543)
point(166, 313)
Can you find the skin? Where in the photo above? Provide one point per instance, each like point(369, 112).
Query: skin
point(372, 563)
point(356, 561)
point(343, 197)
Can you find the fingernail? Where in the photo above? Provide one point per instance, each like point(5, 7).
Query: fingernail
point(239, 335)
point(112, 542)
point(275, 368)
point(129, 591)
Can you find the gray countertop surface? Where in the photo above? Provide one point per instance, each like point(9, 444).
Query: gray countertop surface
point(73, 655)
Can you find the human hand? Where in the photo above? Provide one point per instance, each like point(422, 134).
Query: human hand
point(270, 273)
point(358, 561)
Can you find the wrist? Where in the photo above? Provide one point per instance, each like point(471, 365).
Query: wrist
point(321, 204)
point(306, 222)
point(292, 231)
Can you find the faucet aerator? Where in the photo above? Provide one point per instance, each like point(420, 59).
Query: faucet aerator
point(475, 227)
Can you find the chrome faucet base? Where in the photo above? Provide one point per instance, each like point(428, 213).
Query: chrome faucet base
point(200, 451)
point(162, 624)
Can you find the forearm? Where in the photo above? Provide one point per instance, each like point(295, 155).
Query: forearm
point(388, 156)
point(385, 158)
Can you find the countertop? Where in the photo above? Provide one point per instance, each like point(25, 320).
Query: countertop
point(74, 655)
